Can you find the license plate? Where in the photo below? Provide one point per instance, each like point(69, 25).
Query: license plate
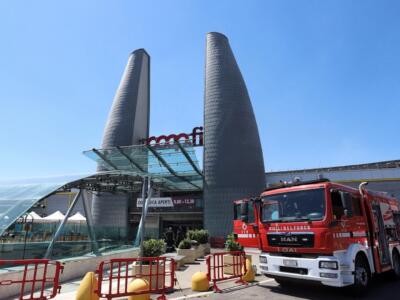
point(290, 263)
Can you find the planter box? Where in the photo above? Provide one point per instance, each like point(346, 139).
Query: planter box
point(145, 274)
point(199, 251)
point(228, 261)
point(205, 249)
point(189, 254)
point(179, 259)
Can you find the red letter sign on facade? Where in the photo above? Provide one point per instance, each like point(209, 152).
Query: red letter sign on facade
point(196, 138)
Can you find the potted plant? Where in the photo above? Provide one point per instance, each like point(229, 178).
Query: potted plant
point(151, 248)
point(185, 249)
point(231, 245)
point(201, 237)
point(192, 235)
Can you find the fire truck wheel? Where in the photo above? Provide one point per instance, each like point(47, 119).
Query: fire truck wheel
point(361, 275)
point(396, 265)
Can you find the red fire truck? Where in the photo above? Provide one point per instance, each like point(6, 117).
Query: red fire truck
point(325, 232)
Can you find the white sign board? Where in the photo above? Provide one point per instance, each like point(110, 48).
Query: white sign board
point(156, 202)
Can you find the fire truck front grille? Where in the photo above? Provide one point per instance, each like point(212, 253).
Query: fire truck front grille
point(305, 240)
point(301, 271)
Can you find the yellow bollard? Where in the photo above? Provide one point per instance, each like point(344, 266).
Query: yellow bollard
point(200, 282)
point(250, 274)
point(87, 287)
point(139, 285)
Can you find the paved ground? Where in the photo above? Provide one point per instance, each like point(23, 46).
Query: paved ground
point(182, 288)
point(265, 288)
point(381, 288)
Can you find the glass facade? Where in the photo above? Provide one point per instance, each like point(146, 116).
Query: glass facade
point(32, 240)
point(16, 198)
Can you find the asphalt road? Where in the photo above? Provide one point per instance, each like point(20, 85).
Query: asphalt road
point(381, 288)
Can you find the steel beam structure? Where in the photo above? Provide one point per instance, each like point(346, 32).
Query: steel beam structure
point(142, 224)
point(62, 224)
point(168, 167)
point(89, 223)
point(130, 159)
point(104, 158)
point(187, 156)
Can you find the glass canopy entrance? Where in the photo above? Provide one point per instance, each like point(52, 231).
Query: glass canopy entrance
point(174, 167)
point(167, 167)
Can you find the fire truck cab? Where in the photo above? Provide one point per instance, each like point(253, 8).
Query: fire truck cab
point(244, 223)
point(328, 233)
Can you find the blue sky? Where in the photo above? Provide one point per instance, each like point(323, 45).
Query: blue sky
point(323, 76)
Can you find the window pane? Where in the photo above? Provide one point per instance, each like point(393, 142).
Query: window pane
point(337, 205)
point(356, 206)
point(251, 212)
point(294, 206)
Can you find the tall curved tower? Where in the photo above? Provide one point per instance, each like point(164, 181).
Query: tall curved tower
point(127, 124)
point(128, 121)
point(233, 160)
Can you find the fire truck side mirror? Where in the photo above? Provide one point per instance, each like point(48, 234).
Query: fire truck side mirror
point(244, 218)
point(348, 213)
point(244, 212)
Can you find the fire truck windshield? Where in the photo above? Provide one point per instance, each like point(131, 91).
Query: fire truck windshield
point(305, 205)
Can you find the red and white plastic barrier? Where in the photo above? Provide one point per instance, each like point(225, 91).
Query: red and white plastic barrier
point(216, 266)
point(40, 279)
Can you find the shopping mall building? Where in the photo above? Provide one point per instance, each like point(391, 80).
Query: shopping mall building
point(132, 166)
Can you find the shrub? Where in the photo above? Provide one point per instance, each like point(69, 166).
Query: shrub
point(153, 248)
point(201, 236)
point(231, 244)
point(191, 235)
point(185, 244)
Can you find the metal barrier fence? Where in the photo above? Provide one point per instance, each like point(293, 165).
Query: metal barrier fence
point(218, 266)
point(115, 275)
point(40, 278)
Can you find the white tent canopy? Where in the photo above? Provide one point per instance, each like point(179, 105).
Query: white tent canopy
point(54, 217)
point(30, 217)
point(78, 217)
point(58, 217)
point(34, 216)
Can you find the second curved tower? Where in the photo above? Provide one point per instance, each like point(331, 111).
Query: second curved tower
point(233, 159)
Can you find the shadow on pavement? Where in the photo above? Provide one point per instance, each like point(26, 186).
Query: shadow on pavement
point(381, 287)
